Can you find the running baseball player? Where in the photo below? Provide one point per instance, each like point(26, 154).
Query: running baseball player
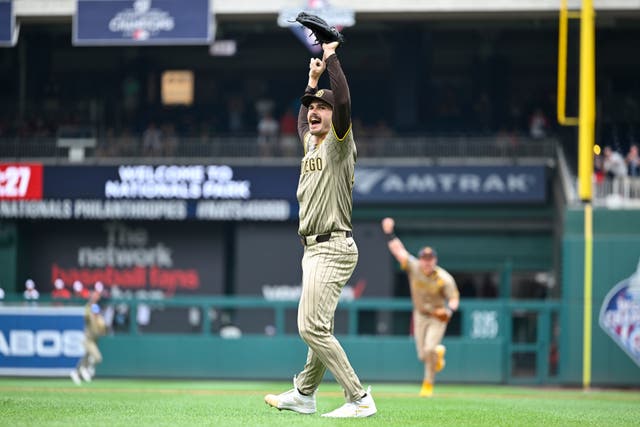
point(435, 297)
point(330, 252)
point(94, 328)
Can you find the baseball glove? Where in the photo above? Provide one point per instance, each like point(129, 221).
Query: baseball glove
point(441, 313)
point(323, 32)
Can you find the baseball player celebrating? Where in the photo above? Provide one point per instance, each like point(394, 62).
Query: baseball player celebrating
point(435, 297)
point(330, 253)
point(94, 328)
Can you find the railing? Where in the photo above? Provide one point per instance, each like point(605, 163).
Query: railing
point(197, 149)
point(514, 338)
point(617, 192)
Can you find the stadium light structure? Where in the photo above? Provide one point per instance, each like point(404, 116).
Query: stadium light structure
point(586, 136)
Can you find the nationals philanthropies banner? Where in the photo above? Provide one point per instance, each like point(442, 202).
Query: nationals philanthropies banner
point(184, 258)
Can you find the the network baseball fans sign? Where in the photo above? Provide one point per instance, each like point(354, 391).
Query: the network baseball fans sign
point(185, 258)
point(142, 22)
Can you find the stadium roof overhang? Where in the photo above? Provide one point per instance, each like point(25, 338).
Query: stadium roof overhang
point(266, 10)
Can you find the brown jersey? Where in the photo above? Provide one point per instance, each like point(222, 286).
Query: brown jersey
point(325, 185)
point(94, 325)
point(429, 292)
point(327, 170)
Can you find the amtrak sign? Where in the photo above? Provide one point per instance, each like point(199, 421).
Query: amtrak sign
point(441, 184)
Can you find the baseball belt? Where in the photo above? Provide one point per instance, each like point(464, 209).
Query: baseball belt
point(319, 238)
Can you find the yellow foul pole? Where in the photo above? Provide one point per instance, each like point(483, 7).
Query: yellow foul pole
point(586, 136)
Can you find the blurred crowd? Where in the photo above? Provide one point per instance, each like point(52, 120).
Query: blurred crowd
point(272, 124)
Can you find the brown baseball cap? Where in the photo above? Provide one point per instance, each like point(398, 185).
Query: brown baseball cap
point(428, 252)
point(324, 95)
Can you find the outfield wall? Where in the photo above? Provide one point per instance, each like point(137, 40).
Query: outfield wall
point(616, 254)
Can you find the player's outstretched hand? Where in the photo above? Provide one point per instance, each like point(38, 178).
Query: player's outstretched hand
point(316, 68)
point(388, 224)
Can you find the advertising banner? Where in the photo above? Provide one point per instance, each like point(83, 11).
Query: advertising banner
point(20, 181)
point(620, 315)
point(8, 27)
point(142, 22)
point(145, 192)
point(148, 259)
point(222, 192)
point(450, 184)
point(45, 341)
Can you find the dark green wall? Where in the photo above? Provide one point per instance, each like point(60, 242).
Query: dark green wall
point(616, 251)
point(476, 238)
point(255, 357)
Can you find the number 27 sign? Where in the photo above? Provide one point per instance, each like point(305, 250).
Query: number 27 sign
point(20, 181)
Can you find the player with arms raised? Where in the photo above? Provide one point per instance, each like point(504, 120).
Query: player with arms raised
point(330, 252)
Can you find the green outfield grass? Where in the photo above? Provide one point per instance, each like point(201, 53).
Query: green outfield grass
point(123, 402)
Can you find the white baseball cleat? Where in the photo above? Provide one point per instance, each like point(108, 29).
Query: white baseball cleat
point(84, 373)
point(364, 407)
point(293, 400)
point(75, 377)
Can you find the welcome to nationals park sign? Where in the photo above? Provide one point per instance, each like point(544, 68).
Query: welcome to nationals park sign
point(251, 193)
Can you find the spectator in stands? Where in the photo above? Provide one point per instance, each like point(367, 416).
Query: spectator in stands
point(506, 141)
point(127, 145)
point(633, 161)
point(289, 141)
point(380, 135)
point(613, 163)
point(107, 146)
point(538, 124)
point(263, 106)
point(79, 291)
point(31, 293)
point(169, 140)
point(235, 111)
point(598, 167)
point(59, 291)
point(267, 134)
point(152, 141)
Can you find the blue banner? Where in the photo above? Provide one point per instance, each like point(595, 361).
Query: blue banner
point(450, 184)
point(170, 182)
point(45, 341)
point(8, 28)
point(142, 22)
point(257, 193)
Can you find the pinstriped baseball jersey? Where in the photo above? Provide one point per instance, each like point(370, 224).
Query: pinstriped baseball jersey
point(326, 183)
point(429, 291)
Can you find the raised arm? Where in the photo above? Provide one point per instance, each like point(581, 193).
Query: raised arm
point(395, 244)
point(342, 109)
point(316, 68)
